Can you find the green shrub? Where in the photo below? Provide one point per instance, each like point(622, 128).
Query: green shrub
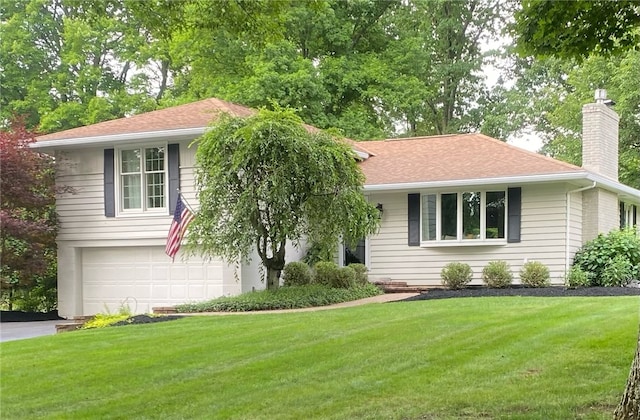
point(456, 275)
point(361, 273)
point(345, 278)
point(317, 252)
point(325, 273)
point(296, 273)
point(618, 272)
point(596, 254)
point(577, 278)
point(293, 297)
point(497, 274)
point(534, 274)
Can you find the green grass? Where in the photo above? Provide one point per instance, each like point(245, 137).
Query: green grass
point(507, 357)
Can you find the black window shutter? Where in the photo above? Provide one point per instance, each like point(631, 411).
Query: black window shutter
point(623, 218)
point(514, 197)
point(414, 219)
point(109, 192)
point(173, 151)
point(635, 215)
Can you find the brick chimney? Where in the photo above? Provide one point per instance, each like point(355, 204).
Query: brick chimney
point(599, 155)
point(600, 136)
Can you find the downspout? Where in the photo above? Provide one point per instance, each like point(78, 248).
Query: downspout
point(568, 227)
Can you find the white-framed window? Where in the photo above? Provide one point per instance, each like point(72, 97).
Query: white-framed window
point(142, 179)
point(463, 216)
point(628, 215)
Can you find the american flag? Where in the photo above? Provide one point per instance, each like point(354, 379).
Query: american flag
point(181, 219)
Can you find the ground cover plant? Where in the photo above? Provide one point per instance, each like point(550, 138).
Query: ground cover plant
point(290, 297)
point(499, 357)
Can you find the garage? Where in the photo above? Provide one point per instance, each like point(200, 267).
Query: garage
point(141, 278)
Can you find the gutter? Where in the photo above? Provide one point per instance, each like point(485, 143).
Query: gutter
point(520, 179)
point(117, 138)
point(568, 227)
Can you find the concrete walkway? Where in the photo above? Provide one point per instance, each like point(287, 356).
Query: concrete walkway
point(388, 297)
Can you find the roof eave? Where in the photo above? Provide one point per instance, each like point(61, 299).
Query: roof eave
point(94, 141)
point(582, 177)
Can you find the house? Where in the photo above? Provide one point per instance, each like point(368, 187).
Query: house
point(445, 198)
point(474, 199)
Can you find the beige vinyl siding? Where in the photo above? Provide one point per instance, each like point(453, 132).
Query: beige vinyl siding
point(543, 233)
point(575, 225)
point(81, 212)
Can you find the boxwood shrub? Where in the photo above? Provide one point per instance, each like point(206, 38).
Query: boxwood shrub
point(576, 277)
point(534, 274)
point(325, 272)
point(456, 275)
point(497, 274)
point(361, 273)
point(296, 273)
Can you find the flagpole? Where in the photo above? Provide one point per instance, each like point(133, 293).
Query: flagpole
point(184, 200)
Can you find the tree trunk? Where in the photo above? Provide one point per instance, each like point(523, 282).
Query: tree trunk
point(629, 407)
point(273, 278)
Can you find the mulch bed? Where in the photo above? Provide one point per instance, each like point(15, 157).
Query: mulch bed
point(146, 319)
point(554, 291)
point(20, 316)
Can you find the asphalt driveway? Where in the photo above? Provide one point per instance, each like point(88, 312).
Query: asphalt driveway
point(10, 331)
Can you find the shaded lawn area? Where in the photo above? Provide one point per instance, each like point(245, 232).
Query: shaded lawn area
point(504, 357)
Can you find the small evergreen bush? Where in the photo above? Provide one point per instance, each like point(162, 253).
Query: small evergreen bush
point(456, 275)
point(577, 278)
point(296, 273)
point(325, 273)
point(497, 274)
point(345, 277)
point(361, 273)
point(595, 255)
point(618, 272)
point(534, 274)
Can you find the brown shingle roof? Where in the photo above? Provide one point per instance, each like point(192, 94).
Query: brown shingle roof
point(197, 114)
point(192, 115)
point(452, 157)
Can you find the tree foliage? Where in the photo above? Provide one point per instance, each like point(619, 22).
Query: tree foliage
point(27, 214)
point(266, 180)
point(573, 29)
point(548, 96)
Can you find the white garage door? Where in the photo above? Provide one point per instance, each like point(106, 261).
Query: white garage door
point(144, 277)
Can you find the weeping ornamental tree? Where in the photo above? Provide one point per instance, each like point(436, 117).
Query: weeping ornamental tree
point(266, 180)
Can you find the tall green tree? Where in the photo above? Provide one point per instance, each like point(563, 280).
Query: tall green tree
point(259, 189)
point(67, 63)
point(435, 63)
point(577, 28)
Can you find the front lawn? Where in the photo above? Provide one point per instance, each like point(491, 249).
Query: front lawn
point(506, 357)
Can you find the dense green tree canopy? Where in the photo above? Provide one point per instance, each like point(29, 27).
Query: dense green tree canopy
point(266, 180)
point(577, 28)
point(371, 68)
